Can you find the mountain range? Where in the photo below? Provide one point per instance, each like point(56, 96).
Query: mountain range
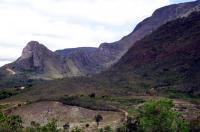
point(169, 58)
point(38, 62)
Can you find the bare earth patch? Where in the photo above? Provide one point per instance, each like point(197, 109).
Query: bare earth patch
point(41, 112)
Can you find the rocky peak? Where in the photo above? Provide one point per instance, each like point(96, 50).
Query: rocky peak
point(34, 55)
point(33, 48)
point(33, 43)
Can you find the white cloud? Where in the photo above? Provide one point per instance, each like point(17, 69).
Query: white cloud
point(68, 23)
point(4, 62)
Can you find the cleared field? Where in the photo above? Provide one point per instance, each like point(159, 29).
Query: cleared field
point(41, 112)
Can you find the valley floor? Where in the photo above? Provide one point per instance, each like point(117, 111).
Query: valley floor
point(43, 111)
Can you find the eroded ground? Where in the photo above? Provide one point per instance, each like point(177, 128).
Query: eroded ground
point(41, 112)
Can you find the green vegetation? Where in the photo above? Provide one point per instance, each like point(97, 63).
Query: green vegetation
point(4, 106)
point(130, 125)
point(76, 129)
point(151, 116)
point(172, 94)
point(51, 126)
point(160, 116)
point(157, 116)
point(16, 81)
point(181, 95)
point(106, 129)
point(107, 103)
point(14, 124)
point(10, 123)
point(6, 93)
point(86, 102)
point(9, 92)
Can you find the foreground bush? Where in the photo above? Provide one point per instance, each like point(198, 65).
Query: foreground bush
point(159, 116)
point(10, 123)
point(13, 123)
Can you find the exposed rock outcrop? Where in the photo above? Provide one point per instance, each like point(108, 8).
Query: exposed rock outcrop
point(42, 63)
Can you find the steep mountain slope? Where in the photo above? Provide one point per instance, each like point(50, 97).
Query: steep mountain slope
point(71, 51)
point(37, 60)
point(169, 58)
point(43, 63)
point(109, 53)
point(83, 58)
point(147, 26)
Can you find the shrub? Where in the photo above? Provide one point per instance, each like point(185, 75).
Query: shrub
point(66, 126)
point(51, 126)
point(10, 123)
point(122, 128)
point(92, 95)
point(76, 129)
point(160, 116)
point(87, 125)
point(108, 129)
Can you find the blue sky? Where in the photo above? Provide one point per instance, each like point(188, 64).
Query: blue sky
point(62, 24)
point(180, 1)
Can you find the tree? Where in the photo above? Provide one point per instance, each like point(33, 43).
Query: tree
point(98, 118)
point(131, 125)
point(160, 116)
